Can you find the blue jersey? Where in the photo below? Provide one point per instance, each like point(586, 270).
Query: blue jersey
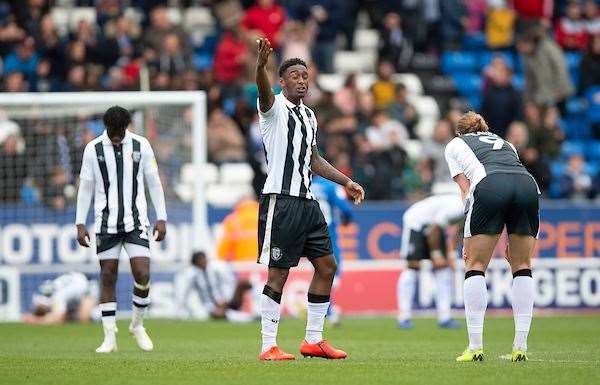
point(333, 203)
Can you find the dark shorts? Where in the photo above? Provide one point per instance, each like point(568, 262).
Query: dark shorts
point(108, 241)
point(418, 248)
point(289, 228)
point(499, 200)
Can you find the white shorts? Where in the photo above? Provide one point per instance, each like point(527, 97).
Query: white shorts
point(131, 249)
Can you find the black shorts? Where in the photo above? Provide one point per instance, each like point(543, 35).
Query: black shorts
point(418, 248)
point(289, 228)
point(499, 200)
point(108, 241)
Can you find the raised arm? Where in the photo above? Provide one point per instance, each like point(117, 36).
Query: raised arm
point(266, 97)
point(320, 166)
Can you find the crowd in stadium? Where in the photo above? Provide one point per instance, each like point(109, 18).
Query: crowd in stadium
point(531, 67)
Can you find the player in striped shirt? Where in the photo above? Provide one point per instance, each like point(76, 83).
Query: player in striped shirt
point(291, 223)
point(115, 166)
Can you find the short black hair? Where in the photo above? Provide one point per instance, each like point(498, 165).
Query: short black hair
point(116, 118)
point(196, 255)
point(290, 62)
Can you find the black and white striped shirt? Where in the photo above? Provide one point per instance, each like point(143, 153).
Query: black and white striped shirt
point(118, 174)
point(289, 132)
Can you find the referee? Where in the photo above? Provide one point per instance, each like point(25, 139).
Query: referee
point(115, 166)
point(291, 223)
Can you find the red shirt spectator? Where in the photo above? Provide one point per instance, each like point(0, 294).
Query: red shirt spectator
point(570, 29)
point(534, 9)
point(230, 57)
point(268, 18)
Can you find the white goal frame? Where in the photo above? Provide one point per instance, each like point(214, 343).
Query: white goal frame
point(195, 99)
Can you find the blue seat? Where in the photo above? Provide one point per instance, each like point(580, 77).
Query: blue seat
point(574, 75)
point(458, 61)
point(576, 106)
point(557, 168)
point(573, 59)
point(467, 83)
point(592, 168)
point(592, 150)
point(202, 61)
point(592, 96)
point(518, 81)
point(576, 127)
point(474, 101)
point(486, 57)
point(572, 147)
point(474, 41)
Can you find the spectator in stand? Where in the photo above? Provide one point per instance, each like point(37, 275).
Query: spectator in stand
point(327, 16)
point(24, 59)
point(29, 13)
point(547, 81)
point(533, 12)
point(51, 47)
point(13, 162)
point(453, 22)
point(501, 102)
point(384, 88)
point(54, 188)
point(500, 23)
point(315, 93)
point(394, 46)
point(589, 69)
point(15, 82)
point(545, 133)
point(346, 98)
point(537, 166)
point(45, 79)
point(75, 79)
point(298, 38)
point(230, 56)
point(266, 18)
point(159, 28)
point(575, 183)
point(570, 30)
point(385, 133)
point(476, 13)
point(403, 111)
point(433, 149)
point(225, 142)
point(237, 241)
point(10, 32)
point(172, 59)
point(591, 12)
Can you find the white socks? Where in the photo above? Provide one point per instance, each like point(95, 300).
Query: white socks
point(476, 298)
point(523, 294)
point(317, 310)
point(270, 311)
point(109, 311)
point(406, 292)
point(139, 308)
point(443, 292)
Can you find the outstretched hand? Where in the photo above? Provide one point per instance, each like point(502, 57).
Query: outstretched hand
point(264, 49)
point(356, 191)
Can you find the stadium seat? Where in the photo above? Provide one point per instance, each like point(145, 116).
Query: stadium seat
point(576, 127)
point(134, 14)
point(414, 148)
point(331, 82)
point(592, 168)
point(474, 101)
point(593, 98)
point(458, 61)
point(202, 61)
point(557, 168)
point(366, 39)
point(486, 58)
point(572, 147)
point(227, 195)
point(576, 106)
point(354, 61)
point(518, 81)
point(592, 150)
point(210, 173)
point(236, 173)
point(60, 16)
point(573, 59)
point(474, 41)
point(467, 83)
point(411, 81)
point(174, 15)
point(197, 17)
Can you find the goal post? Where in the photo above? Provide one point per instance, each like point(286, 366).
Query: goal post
point(175, 115)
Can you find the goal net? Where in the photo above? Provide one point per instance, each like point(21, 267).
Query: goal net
point(42, 137)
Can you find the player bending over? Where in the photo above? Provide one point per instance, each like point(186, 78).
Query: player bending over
point(218, 289)
point(116, 166)
point(335, 207)
point(66, 298)
point(424, 237)
point(498, 192)
point(291, 223)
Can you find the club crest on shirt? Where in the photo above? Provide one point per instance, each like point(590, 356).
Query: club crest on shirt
point(101, 158)
point(136, 156)
point(276, 253)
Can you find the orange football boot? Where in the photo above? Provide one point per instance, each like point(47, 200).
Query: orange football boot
point(275, 354)
point(321, 349)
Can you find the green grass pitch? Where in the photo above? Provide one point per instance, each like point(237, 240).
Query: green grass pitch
point(563, 350)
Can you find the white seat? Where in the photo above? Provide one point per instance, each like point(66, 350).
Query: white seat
point(365, 81)
point(330, 82)
point(174, 15)
point(133, 14)
point(236, 173)
point(60, 16)
point(366, 39)
point(210, 173)
point(411, 81)
point(227, 194)
point(414, 148)
point(424, 128)
point(197, 17)
point(354, 61)
point(426, 106)
point(81, 13)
